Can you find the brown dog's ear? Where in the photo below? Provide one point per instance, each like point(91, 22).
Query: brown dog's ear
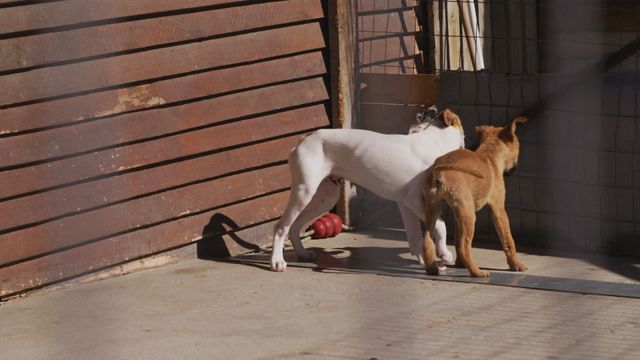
point(482, 128)
point(449, 117)
point(481, 131)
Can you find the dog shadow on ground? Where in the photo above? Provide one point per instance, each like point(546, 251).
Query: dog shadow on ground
point(213, 244)
point(221, 233)
point(371, 259)
point(614, 258)
point(367, 259)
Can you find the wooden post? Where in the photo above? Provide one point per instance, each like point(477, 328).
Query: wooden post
point(343, 50)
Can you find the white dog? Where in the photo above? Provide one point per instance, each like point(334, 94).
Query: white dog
point(391, 166)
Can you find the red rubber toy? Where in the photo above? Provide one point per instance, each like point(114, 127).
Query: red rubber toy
point(337, 223)
point(319, 230)
point(328, 225)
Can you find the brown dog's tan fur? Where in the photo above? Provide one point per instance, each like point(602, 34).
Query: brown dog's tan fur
point(467, 181)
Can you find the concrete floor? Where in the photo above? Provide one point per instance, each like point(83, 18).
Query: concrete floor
point(202, 309)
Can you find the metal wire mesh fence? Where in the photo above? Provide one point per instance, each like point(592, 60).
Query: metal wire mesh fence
point(578, 183)
point(389, 33)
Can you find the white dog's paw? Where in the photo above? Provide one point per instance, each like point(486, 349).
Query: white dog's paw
point(437, 268)
point(441, 266)
point(306, 256)
point(278, 265)
point(420, 259)
point(447, 257)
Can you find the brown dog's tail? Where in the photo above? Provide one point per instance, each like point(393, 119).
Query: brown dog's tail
point(457, 168)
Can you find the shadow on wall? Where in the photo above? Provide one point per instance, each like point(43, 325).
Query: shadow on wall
point(213, 244)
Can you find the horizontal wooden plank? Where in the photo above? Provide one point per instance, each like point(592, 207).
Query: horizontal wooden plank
point(68, 200)
point(136, 126)
point(399, 89)
point(102, 254)
point(157, 122)
point(388, 118)
point(146, 211)
point(60, 172)
point(153, 64)
point(42, 49)
point(113, 102)
point(70, 12)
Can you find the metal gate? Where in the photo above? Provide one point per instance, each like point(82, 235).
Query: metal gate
point(576, 75)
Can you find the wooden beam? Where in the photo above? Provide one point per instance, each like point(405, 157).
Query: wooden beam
point(343, 47)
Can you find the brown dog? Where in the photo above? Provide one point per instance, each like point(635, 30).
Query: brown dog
point(467, 181)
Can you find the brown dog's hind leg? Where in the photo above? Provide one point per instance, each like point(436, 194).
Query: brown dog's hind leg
point(459, 261)
point(501, 222)
point(465, 228)
point(433, 210)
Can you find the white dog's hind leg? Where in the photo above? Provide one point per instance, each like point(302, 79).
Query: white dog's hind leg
point(440, 239)
point(304, 183)
point(413, 232)
point(301, 195)
point(324, 199)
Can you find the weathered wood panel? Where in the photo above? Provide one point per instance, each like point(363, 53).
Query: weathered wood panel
point(119, 159)
point(389, 118)
point(153, 64)
point(118, 249)
point(112, 102)
point(129, 127)
point(399, 89)
point(146, 211)
point(138, 126)
point(81, 197)
point(24, 52)
point(74, 12)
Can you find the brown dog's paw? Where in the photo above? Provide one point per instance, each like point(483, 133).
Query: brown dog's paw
point(480, 274)
point(435, 268)
point(518, 266)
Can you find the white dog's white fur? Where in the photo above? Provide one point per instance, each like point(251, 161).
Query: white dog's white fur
point(391, 166)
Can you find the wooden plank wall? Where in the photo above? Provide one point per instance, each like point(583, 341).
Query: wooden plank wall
point(127, 128)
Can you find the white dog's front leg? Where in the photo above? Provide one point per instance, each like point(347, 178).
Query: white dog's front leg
point(412, 228)
point(441, 243)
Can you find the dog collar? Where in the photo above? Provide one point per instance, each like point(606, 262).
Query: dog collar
point(429, 120)
point(431, 110)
